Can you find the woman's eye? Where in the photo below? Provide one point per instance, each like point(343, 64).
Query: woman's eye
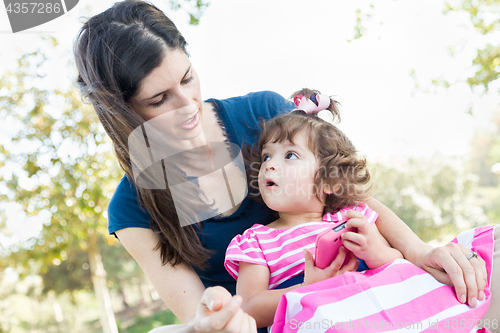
point(186, 81)
point(291, 156)
point(157, 104)
point(265, 158)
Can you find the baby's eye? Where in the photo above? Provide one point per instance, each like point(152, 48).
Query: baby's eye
point(265, 158)
point(291, 156)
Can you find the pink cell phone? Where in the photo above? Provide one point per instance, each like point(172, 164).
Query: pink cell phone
point(327, 245)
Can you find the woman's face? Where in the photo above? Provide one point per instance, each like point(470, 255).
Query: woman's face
point(172, 91)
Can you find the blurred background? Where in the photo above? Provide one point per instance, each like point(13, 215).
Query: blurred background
point(418, 86)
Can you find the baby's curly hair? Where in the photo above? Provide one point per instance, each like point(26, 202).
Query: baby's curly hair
point(339, 167)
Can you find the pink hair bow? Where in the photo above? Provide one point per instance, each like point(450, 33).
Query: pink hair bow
point(313, 104)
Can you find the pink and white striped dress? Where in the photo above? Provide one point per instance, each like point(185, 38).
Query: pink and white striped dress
point(282, 249)
point(396, 296)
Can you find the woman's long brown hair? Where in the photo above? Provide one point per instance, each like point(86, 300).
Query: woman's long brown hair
point(114, 51)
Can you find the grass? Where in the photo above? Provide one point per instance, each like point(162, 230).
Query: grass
point(145, 324)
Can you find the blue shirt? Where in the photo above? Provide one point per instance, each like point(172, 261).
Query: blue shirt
point(239, 117)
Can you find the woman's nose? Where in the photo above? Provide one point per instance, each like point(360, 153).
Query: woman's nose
point(183, 100)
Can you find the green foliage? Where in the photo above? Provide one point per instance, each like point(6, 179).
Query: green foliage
point(485, 153)
point(484, 14)
point(488, 64)
point(491, 198)
point(194, 8)
point(120, 267)
point(63, 169)
point(362, 16)
point(75, 271)
point(434, 198)
point(485, 17)
point(146, 324)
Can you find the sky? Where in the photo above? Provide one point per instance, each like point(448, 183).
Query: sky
point(284, 45)
point(242, 46)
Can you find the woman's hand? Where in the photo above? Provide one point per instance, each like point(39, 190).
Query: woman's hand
point(449, 265)
point(314, 274)
point(218, 311)
point(467, 276)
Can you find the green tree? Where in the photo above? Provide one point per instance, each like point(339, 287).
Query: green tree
point(485, 17)
point(61, 169)
point(435, 198)
point(194, 8)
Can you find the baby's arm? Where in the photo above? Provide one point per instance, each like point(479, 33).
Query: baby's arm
point(367, 243)
point(258, 301)
point(261, 303)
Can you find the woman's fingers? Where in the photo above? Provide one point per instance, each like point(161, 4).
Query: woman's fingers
point(468, 276)
point(463, 277)
point(478, 276)
point(236, 324)
point(250, 324)
point(215, 311)
point(218, 311)
point(214, 298)
point(479, 266)
point(443, 258)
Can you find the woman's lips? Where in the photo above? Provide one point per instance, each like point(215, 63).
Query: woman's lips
point(191, 122)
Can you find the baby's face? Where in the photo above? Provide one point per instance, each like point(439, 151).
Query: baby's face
point(286, 177)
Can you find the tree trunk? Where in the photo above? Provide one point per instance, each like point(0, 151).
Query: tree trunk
point(58, 314)
point(146, 296)
point(108, 321)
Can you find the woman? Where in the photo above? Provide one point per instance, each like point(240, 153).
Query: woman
point(134, 67)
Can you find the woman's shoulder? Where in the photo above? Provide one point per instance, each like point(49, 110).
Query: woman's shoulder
point(124, 191)
point(124, 209)
point(255, 95)
point(266, 103)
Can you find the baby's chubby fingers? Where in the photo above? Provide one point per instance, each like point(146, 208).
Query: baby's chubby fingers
point(353, 241)
point(353, 214)
point(357, 220)
point(352, 265)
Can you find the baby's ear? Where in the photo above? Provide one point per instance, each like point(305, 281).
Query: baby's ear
point(328, 189)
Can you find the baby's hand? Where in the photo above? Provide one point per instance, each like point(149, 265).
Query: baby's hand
point(314, 274)
point(367, 243)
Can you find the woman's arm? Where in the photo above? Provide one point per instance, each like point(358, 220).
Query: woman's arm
point(448, 264)
point(216, 312)
point(397, 233)
point(180, 287)
point(206, 310)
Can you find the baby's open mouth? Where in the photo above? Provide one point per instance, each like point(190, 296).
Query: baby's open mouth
point(270, 183)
